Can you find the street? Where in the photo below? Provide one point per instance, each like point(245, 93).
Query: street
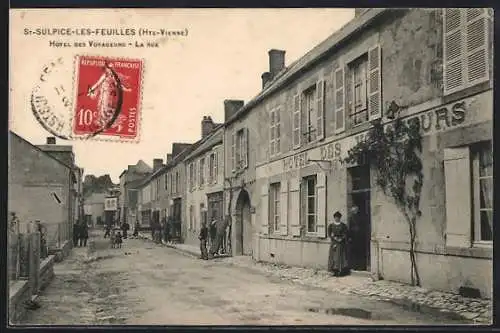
point(147, 284)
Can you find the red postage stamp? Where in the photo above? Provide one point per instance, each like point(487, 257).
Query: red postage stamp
point(108, 97)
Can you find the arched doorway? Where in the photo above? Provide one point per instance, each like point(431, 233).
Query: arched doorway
point(243, 225)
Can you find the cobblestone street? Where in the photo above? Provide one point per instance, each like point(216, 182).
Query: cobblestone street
point(144, 283)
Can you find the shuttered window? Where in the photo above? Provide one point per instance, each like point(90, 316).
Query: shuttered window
point(339, 100)
point(374, 83)
point(274, 207)
point(284, 208)
point(295, 202)
point(320, 113)
point(466, 48)
point(296, 120)
point(274, 131)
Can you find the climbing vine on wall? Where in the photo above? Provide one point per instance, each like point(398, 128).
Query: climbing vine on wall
point(394, 151)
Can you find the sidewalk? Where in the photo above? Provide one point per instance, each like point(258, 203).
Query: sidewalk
point(477, 310)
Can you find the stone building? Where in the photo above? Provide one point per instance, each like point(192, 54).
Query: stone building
point(284, 147)
point(129, 180)
point(43, 186)
point(205, 180)
point(94, 209)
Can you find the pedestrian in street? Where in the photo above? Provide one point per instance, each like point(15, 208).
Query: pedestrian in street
point(108, 230)
point(337, 257)
point(213, 235)
point(76, 234)
point(136, 229)
point(203, 241)
point(125, 228)
point(84, 234)
point(168, 226)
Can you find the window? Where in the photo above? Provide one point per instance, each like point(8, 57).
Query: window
point(466, 48)
point(158, 186)
point(482, 168)
point(177, 182)
point(166, 182)
point(202, 171)
point(274, 207)
point(309, 133)
point(212, 168)
point(191, 176)
point(275, 131)
point(359, 110)
point(239, 149)
point(309, 203)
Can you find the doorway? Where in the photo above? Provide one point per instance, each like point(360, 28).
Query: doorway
point(360, 223)
point(243, 225)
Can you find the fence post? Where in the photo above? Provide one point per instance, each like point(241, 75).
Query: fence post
point(59, 235)
point(24, 256)
point(35, 262)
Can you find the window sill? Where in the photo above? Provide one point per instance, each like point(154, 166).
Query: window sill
point(475, 252)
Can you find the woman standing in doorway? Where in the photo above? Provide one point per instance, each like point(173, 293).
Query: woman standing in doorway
point(337, 258)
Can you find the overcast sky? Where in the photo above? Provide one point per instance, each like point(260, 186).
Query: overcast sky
point(222, 57)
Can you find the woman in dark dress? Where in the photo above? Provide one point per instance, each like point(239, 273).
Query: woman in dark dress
point(337, 258)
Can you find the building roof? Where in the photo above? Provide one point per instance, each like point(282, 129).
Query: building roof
point(213, 138)
point(71, 167)
point(289, 73)
point(95, 198)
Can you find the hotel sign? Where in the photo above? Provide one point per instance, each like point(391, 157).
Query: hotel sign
point(110, 204)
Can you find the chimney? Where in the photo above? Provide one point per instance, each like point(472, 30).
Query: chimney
point(169, 158)
point(266, 77)
point(276, 61)
point(157, 164)
point(51, 140)
point(231, 106)
point(207, 125)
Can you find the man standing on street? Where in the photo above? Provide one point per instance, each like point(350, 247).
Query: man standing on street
point(203, 241)
point(76, 234)
point(84, 234)
point(108, 230)
point(125, 228)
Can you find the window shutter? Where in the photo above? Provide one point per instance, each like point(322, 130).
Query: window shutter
point(216, 167)
point(453, 50)
point(277, 131)
point(320, 99)
point(458, 196)
point(244, 148)
point(321, 198)
point(296, 120)
point(374, 83)
point(233, 151)
point(195, 174)
point(264, 203)
point(271, 132)
point(339, 100)
point(294, 216)
point(477, 43)
point(284, 208)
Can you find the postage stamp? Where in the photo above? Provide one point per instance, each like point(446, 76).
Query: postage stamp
point(108, 97)
point(100, 101)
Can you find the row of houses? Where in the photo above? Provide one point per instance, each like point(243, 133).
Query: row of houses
point(45, 185)
point(274, 164)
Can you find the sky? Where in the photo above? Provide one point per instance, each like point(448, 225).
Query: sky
point(186, 78)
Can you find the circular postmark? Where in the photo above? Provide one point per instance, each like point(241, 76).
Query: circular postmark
point(55, 98)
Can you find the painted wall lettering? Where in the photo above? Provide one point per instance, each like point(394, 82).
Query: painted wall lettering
point(441, 118)
point(296, 161)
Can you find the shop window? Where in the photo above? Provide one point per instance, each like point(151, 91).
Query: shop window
point(274, 207)
point(309, 203)
point(482, 179)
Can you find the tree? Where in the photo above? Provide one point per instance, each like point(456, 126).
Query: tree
point(394, 152)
